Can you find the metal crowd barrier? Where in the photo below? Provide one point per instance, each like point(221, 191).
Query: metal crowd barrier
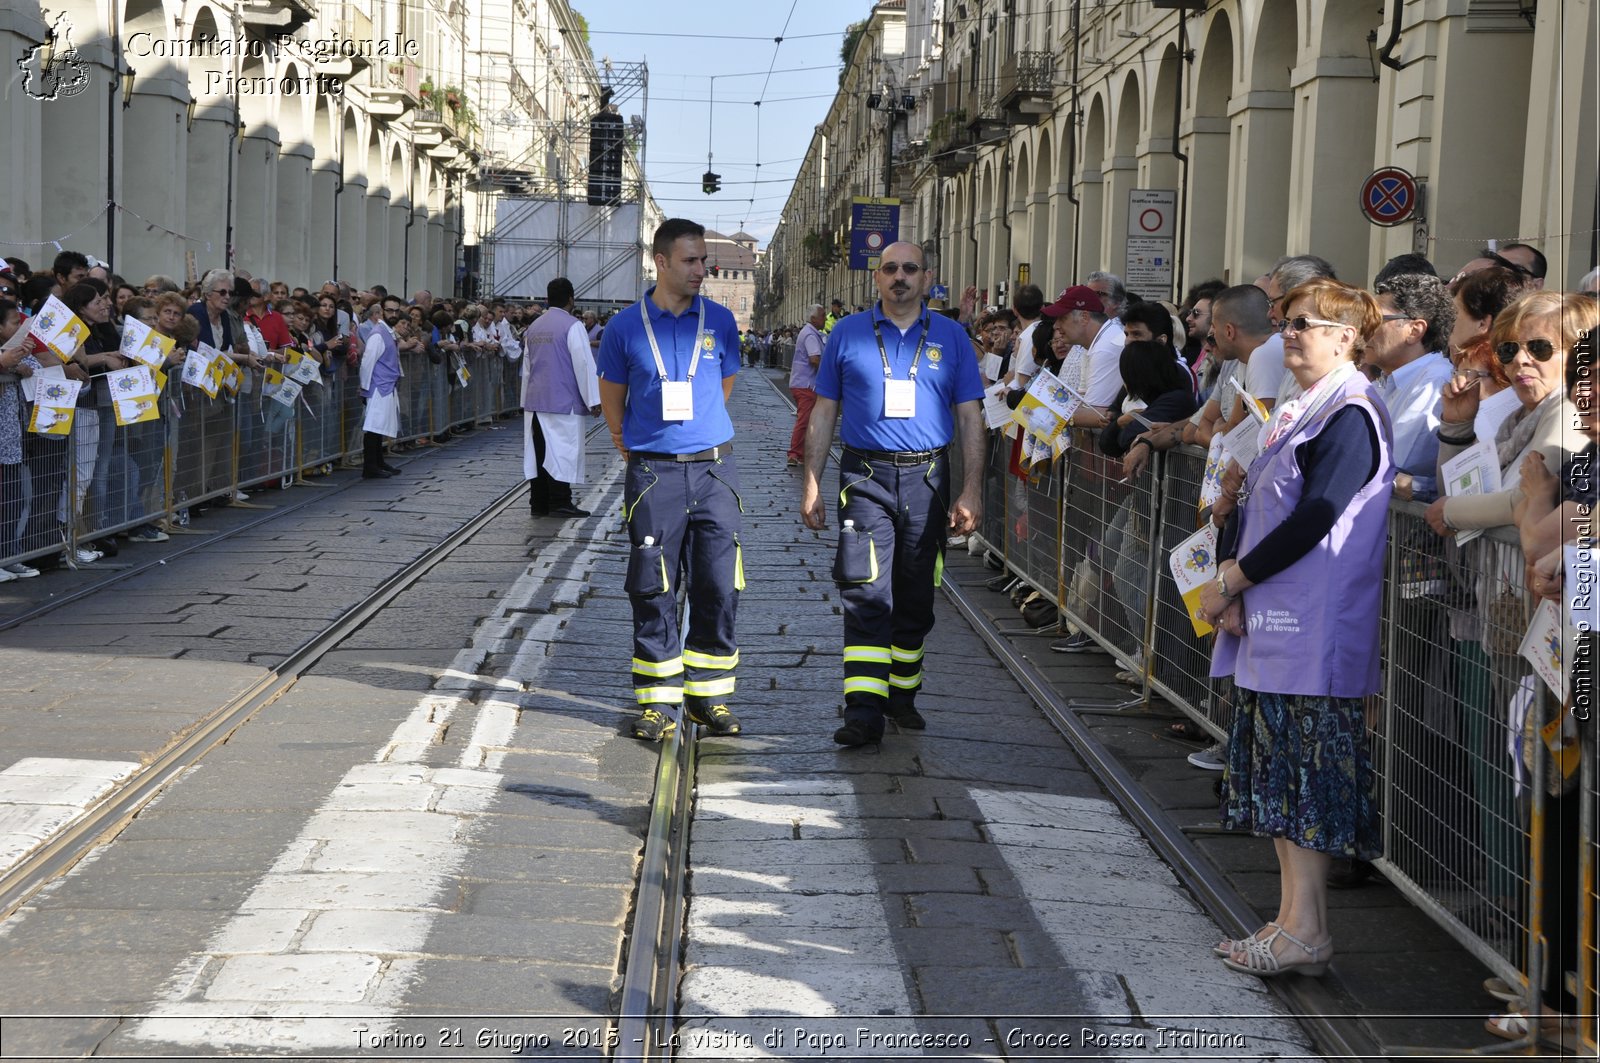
point(106, 478)
point(1470, 832)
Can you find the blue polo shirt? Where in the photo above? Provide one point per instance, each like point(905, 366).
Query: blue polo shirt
point(625, 358)
point(851, 373)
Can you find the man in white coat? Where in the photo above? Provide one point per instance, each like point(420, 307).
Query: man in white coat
point(380, 380)
point(560, 391)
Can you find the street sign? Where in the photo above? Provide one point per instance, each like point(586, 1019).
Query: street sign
point(1389, 196)
point(874, 225)
point(1152, 237)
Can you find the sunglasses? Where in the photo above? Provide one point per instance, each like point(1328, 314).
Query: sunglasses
point(1539, 350)
point(910, 269)
point(1501, 260)
point(1301, 323)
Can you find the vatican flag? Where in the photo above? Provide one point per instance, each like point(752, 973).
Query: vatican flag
point(58, 328)
point(1194, 564)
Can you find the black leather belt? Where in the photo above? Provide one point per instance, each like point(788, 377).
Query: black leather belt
point(713, 454)
point(897, 457)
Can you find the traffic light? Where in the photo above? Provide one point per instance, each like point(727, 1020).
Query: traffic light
point(715, 270)
point(710, 182)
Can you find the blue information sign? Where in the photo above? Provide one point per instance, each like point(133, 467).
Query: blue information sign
point(874, 225)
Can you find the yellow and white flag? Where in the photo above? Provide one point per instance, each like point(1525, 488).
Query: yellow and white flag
point(134, 394)
point(197, 365)
point(54, 400)
point(217, 374)
point(303, 369)
point(141, 343)
point(1216, 465)
point(1194, 564)
point(1252, 404)
point(58, 328)
point(49, 421)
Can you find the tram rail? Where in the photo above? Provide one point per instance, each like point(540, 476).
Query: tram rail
point(1317, 1006)
point(105, 819)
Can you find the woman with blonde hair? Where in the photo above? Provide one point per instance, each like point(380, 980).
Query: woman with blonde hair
point(1297, 600)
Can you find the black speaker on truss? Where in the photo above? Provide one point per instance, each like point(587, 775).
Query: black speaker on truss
point(605, 158)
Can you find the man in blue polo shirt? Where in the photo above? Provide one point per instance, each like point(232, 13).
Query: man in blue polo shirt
point(902, 378)
point(666, 368)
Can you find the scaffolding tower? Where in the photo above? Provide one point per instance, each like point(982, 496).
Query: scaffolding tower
point(537, 216)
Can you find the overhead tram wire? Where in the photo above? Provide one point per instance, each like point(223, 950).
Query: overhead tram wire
point(777, 42)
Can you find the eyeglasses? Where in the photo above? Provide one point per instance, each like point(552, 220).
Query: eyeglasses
point(1193, 311)
point(220, 291)
point(1399, 317)
point(1300, 323)
point(1538, 350)
point(889, 269)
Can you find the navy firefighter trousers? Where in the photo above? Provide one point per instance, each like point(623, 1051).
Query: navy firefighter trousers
point(683, 523)
point(889, 562)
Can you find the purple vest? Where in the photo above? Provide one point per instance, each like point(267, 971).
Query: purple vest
point(552, 386)
point(1313, 628)
point(386, 373)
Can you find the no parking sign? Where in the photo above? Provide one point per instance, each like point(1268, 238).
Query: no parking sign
point(1389, 196)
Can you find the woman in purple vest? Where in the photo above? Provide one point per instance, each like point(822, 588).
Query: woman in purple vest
point(1296, 604)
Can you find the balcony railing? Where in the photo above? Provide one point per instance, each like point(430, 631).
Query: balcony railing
point(1027, 83)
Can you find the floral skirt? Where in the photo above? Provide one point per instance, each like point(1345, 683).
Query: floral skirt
point(1299, 767)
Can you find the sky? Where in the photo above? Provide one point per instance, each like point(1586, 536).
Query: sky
point(722, 51)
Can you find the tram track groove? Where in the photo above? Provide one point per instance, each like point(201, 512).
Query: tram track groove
point(1317, 1007)
point(104, 820)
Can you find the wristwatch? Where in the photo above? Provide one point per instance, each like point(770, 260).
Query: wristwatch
point(1222, 586)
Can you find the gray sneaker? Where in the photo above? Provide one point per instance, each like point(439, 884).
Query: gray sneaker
point(1212, 758)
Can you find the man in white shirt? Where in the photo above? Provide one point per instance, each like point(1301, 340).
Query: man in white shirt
point(1240, 325)
point(1029, 305)
point(1081, 314)
point(1418, 314)
point(510, 343)
point(560, 393)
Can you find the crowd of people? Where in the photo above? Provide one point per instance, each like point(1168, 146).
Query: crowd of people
point(118, 479)
point(1362, 394)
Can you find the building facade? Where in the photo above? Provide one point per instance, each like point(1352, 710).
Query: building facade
point(302, 140)
point(1030, 128)
point(731, 263)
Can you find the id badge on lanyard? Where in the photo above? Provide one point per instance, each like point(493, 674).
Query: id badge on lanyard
point(677, 396)
point(899, 398)
point(677, 400)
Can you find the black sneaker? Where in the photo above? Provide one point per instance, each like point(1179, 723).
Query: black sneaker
point(714, 718)
point(1079, 643)
point(907, 718)
point(857, 733)
point(652, 726)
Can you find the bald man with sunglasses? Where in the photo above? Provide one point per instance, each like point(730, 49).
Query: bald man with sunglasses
point(899, 380)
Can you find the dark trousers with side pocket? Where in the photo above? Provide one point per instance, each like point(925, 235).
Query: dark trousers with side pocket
point(887, 567)
point(690, 511)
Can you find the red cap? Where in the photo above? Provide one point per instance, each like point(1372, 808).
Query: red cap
point(1077, 297)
